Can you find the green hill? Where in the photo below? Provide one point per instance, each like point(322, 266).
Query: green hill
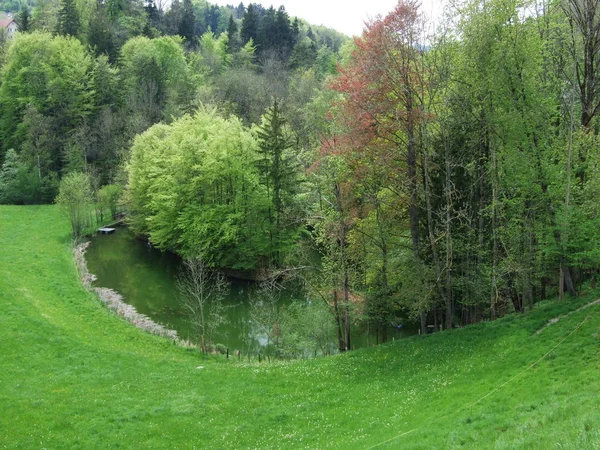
point(73, 375)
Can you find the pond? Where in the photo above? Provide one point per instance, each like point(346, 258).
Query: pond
point(146, 278)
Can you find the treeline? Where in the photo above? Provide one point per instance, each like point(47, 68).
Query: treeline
point(82, 79)
point(449, 177)
point(463, 165)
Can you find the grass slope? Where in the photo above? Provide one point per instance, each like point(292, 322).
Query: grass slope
point(72, 375)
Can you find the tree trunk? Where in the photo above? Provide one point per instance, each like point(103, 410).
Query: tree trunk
point(423, 318)
point(413, 209)
point(338, 321)
point(449, 246)
point(565, 273)
point(494, 285)
point(432, 241)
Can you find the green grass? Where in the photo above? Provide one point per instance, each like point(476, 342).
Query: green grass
point(72, 375)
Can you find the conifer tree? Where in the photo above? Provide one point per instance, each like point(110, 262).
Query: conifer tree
point(279, 175)
point(23, 18)
point(250, 24)
point(295, 30)
point(172, 18)
point(68, 19)
point(232, 36)
point(153, 14)
point(266, 33)
point(213, 13)
point(240, 10)
point(101, 34)
point(187, 25)
point(283, 33)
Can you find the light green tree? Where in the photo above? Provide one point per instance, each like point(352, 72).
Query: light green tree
point(193, 187)
point(75, 197)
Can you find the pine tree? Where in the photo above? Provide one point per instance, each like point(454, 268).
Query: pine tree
point(187, 25)
point(173, 18)
point(240, 10)
point(232, 36)
point(295, 30)
point(153, 14)
point(250, 24)
point(278, 168)
point(23, 18)
point(283, 33)
point(68, 19)
point(267, 31)
point(212, 16)
point(101, 34)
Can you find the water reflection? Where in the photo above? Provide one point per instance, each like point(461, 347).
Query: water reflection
point(146, 278)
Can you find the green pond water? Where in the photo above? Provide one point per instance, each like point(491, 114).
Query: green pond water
point(146, 278)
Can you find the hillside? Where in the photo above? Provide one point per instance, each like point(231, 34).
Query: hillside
point(72, 375)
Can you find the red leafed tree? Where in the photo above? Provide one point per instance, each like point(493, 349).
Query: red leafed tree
point(384, 85)
point(379, 121)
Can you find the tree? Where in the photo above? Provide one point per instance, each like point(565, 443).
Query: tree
point(101, 36)
point(279, 169)
point(215, 56)
point(23, 19)
point(193, 188)
point(187, 25)
point(584, 21)
point(250, 25)
point(304, 54)
point(154, 15)
point(213, 15)
point(68, 19)
point(283, 34)
point(233, 44)
point(18, 185)
point(48, 75)
point(203, 290)
point(173, 18)
point(157, 83)
point(384, 84)
point(109, 196)
point(306, 328)
point(265, 313)
point(75, 197)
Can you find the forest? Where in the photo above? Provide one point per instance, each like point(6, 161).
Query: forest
point(447, 174)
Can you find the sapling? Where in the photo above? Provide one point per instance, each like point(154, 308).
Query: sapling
point(203, 290)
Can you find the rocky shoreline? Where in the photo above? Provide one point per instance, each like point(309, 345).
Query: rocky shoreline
point(114, 301)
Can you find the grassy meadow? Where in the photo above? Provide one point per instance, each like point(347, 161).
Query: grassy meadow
point(73, 375)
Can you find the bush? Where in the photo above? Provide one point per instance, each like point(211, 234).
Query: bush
point(109, 196)
point(75, 196)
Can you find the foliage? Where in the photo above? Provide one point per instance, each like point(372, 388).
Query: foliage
point(156, 80)
point(18, 185)
point(109, 197)
point(101, 34)
point(75, 198)
point(187, 24)
point(193, 187)
point(450, 176)
point(265, 314)
point(68, 19)
point(23, 18)
point(50, 74)
point(307, 328)
point(279, 169)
